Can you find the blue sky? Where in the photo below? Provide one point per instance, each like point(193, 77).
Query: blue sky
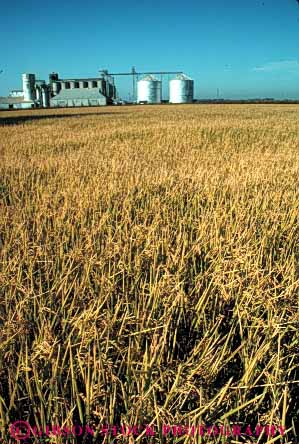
point(245, 49)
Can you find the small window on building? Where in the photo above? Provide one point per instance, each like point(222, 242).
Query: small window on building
point(67, 85)
point(85, 84)
point(10, 106)
point(77, 85)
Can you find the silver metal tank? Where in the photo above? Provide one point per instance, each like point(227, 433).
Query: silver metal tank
point(181, 89)
point(56, 86)
point(104, 88)
point(110, 90)
point(149, 90)
point(38, 94)
point(45, 96)
point(28, 81)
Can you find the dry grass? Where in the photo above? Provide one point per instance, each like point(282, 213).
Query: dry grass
point(149, 265)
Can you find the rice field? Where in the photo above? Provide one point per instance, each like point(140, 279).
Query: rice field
point(149, 269)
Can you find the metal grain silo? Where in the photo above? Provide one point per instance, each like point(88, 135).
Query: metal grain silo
point(149, 90)
point(38, 94)
point(28, 81)
point(181, 89)
point(110, 91)
point(56, 86)
point(45, 96)
point(38, 91)
point(104, 87)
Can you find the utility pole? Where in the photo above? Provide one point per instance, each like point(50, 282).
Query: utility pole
point(134, 83)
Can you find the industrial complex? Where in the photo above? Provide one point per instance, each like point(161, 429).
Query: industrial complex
point(96, 91)
point(60, 93)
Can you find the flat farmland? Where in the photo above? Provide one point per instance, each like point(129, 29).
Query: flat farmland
point(149, 266)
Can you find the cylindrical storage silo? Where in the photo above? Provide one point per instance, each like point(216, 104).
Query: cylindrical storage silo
point(104, 87)
point(38, 95)
point(149, 90)
point(28, 86)
point(110, 91)
point(181, 89)
point(56, 86)
point(45, 96)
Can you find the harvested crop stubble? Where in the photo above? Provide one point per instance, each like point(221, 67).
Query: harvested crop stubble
point(149, 265)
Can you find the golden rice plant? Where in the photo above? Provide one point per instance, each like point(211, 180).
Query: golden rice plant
point(149, 267)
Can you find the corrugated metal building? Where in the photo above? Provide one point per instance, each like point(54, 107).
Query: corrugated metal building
point(15, 103)
point(78, 97)
point(60, 93)
point(16, 93)
point(94, 91)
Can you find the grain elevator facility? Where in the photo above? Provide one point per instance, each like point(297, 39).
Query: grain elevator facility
point(97, 91)
point(58, 92)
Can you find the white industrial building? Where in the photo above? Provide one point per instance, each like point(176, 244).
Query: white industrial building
point(81, 92)
point(78, 97)
point(12, 102)
point(59, 93)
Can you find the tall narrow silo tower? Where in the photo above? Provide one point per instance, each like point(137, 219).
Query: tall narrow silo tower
point(56, 86)
point(181, 89)
point(149, 90)
point(38, 91)
point(28, 81)
point(45, 96)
